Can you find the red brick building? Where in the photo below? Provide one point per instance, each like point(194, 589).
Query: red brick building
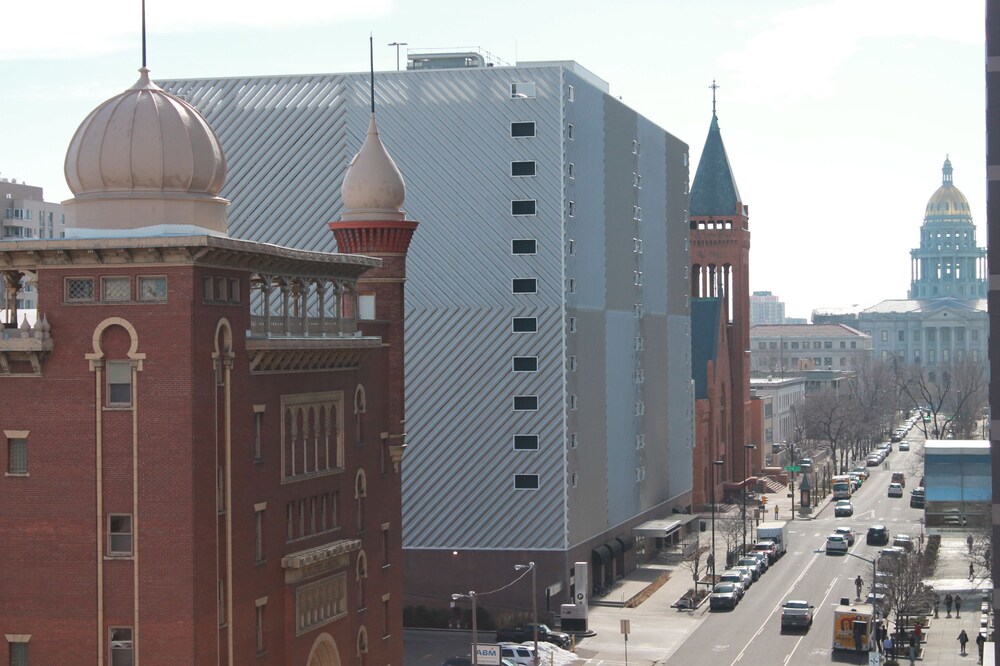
point(202, 436)
point(720, 273)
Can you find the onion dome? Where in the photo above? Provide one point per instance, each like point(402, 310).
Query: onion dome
point(145, 163)
point(373, 187)
point(947, 204)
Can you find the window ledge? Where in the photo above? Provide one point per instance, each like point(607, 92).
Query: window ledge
point(118, 557)
point(17, 474)
point(262, 653)
point(386, 566)
point(260, 563)
point(259, 461)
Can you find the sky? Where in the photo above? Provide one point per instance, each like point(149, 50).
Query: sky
point(837, 115)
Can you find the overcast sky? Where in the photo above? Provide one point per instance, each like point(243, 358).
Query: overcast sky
point(837, 115)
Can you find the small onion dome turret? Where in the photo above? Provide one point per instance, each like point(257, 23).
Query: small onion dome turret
point(947, 204)
point(145, 163)
point(373, 188)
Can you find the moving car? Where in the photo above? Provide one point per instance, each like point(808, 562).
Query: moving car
point(796, 614)
point(878, 535)
point(847, 533)
point(895, 490)
point(806, 465)
point(904, 445)
point(526, 632)
point(844, 508)
point(917, 498)
point(724, 595)
point(904, 541)
point(836, 543)
point(900, 478)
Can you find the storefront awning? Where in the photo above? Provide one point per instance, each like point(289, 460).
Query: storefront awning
point(600, 555)
point(662, 527)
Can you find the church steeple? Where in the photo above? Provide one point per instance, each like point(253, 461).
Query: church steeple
point(714, 191)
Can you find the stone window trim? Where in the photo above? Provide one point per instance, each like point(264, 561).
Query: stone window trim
point(258, 435)
point(294, 409)
point(16, 435)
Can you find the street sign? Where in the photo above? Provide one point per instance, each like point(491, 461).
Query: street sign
point(793, 468)
point(487, 655)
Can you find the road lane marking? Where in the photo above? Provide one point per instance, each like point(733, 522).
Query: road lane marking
point(815, 614)
point(795, 582)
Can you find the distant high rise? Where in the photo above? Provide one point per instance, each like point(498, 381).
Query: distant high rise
point(27, 215)
point(766, 308)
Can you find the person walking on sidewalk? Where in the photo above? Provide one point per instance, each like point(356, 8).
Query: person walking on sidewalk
point(968, 541)
point(858, 583)
point(947, 603)
point(963, 640)
point(913, 648)
point(980, 642)
point(887, 648)
point(972, 571)
point(958, 606)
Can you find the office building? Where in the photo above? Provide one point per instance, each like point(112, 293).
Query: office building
point(547, 326)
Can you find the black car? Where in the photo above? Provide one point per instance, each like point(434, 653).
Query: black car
point(878, 535)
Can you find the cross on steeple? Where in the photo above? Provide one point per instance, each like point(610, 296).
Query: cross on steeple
point(714, 87)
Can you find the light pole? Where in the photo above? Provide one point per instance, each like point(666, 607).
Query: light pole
point(748, 447)
point(530, 566)
point(397, 45)
point(712, 568)
point(471, 596)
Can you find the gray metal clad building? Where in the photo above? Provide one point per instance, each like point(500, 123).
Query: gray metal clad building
point(548, 380)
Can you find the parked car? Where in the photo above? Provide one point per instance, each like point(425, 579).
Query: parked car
point(862, 471)
point(522, 655)
point(847, 533)
point(873, 460)
point(724, 595)
point(767, 547)
point(891, 552)
point(737, 578)
point(836, 543)
point(843, 508)
point(900, 478)
point(878, 535)
point(526, 632)
point(855, 482)
point(904, 541)
point(760, 557)
point(753, 564)
point(796, 614)
point(895, 490)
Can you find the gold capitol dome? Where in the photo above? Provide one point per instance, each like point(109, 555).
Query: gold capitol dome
point(947, 204)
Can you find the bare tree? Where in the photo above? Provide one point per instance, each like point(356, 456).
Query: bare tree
point(980, 555)
point(692, 563)
point(953, 394)
point(905, 594)
point(825, 417)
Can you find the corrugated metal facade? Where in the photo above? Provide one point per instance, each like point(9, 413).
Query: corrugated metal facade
point(288, 141)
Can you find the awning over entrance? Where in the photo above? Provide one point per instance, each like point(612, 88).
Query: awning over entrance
point(616, 547)
point(662, 527)
point(600, 555)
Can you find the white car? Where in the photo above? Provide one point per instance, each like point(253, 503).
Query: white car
point(895, 490)
point(847, 533)
point(523, 655)
point(836, 543)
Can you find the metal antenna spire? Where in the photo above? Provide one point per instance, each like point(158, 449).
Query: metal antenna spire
point(144, 34)
point(371, 61)
point(714, 87)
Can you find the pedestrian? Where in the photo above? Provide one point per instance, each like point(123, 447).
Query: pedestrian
point(968, 540)
point(963, 640)
point(980, 642)
point(918, 630)
point(775, 511)
point(913, 649)
point(937, 602)
point(958, 606)
point(877, 635)
point(947, 603)
point(887, 646)
point(858, 583)
point(972, 571)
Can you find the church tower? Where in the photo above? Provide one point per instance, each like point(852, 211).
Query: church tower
point(720, 258)
point(948, 261)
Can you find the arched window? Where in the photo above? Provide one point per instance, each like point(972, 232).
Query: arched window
point(360, 492)
point(362, 575)
point(362, 645)
point(359, 415)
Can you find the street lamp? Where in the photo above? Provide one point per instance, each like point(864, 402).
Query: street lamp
point(712, 567)
point(746, 456)
point(530, 566)
point(397, 45)
point(471, 596)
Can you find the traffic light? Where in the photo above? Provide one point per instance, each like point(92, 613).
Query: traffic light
point(763, 499)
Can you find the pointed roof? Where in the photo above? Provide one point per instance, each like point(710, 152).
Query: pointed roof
point(714, 191)
point(373, 188)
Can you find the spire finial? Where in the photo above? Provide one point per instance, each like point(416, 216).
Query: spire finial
point(144, 34)
point(371, 62)
point(714, 87)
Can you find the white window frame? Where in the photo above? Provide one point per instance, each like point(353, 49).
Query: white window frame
point(523, 90)
point(130, 532)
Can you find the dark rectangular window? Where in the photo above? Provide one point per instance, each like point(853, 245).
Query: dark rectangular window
point(525, 403)
point(522, 207)
point(120, 534)
point(18, 654)
point(121, 646)
point(526, 482)
point(523, 168)
point(525, 442)
point(17, 455)
point(524, 324)
point(523, 246)
point(525, 363)
point(119, 383)
point(522, 129)
point(524, 285)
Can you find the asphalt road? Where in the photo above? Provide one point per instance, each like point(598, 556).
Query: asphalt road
point(751, 633)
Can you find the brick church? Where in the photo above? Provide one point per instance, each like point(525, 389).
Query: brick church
point(202, 435)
